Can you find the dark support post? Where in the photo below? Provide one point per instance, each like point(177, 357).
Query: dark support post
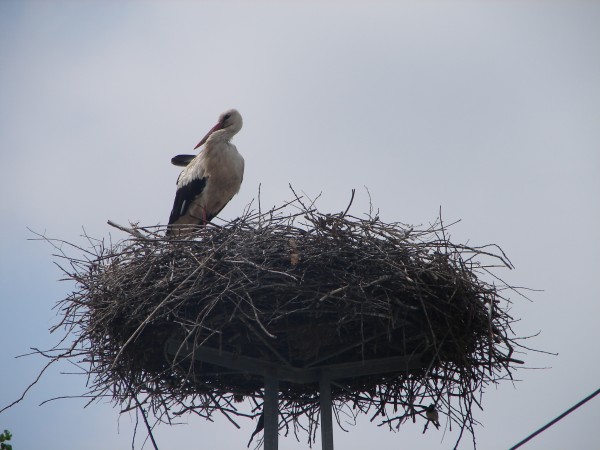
point(271, 411)
point(326, 419)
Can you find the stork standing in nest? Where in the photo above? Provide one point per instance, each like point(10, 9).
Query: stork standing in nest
point(209, 179)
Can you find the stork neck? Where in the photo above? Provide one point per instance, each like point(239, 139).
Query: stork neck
point(220, 136)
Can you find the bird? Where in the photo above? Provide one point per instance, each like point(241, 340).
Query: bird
point(432, 415)
point(259, 427)
point(210, 179)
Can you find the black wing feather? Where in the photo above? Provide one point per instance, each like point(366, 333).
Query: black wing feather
point(182, 160)
point(184, 196)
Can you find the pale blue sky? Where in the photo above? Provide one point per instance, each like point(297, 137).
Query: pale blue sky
point(487, 109)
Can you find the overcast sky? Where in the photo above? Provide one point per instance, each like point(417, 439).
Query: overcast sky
point(487, 109)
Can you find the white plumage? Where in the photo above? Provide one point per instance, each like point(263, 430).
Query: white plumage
point(209, 179)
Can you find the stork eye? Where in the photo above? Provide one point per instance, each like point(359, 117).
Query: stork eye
point(226, 116)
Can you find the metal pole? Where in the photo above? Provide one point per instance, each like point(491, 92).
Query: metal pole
point(326, 419)
point(271, 411)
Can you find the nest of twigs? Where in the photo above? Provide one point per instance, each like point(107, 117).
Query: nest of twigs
point(297, 288)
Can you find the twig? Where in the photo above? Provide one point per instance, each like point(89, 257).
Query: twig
point(131, 231)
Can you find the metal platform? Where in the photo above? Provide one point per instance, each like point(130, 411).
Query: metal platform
point(273, 373)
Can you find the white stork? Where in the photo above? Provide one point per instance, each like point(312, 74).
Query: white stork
point(209, 179)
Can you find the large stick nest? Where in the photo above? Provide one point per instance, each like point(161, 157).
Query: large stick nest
point(296, 288)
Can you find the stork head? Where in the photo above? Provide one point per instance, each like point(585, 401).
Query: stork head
point(230, 122)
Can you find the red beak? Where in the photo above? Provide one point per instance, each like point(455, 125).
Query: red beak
point(212, 130)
